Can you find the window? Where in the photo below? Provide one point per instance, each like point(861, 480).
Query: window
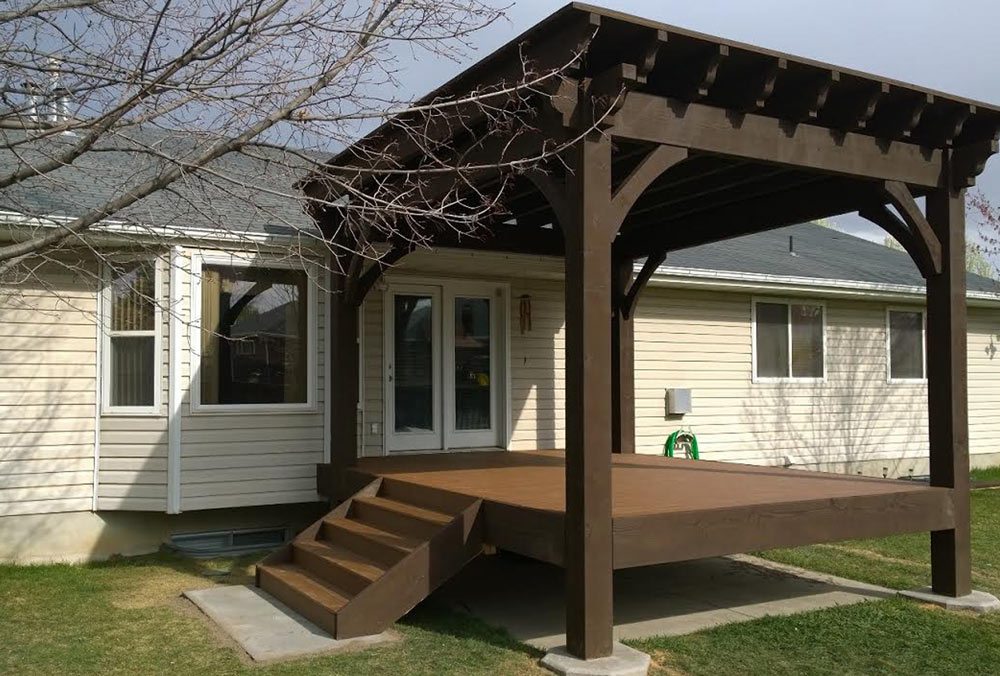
point(788, 340)
point(906, 345)
point(131, 317)
point(255, 341)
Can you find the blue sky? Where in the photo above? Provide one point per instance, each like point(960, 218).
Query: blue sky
point(950, 46)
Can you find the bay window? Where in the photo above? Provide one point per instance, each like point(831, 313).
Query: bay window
point(255, 337)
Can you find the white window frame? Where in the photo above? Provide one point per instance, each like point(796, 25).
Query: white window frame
point(198, 261)
point(107, 334)
point(888, 344)
point(753, 326)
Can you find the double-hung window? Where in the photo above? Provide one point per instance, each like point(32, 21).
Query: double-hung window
point(789, 341)
point(906, 345)
point(256, 337)
point(131, 338)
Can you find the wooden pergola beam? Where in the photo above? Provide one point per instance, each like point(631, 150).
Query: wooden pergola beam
point(814, 200)
point(698, 127)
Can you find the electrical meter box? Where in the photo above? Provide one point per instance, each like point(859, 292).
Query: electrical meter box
point(678, 401)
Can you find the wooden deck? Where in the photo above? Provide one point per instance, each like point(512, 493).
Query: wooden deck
point(668, 509)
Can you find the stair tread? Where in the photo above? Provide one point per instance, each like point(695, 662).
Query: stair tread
point(402, 543)
point(298, 577)
point(422, 513)
point(343, 556)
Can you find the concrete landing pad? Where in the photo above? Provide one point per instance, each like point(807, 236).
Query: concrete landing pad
point(267, 629)
point(525, 597)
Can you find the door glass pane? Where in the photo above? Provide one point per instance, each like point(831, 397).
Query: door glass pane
point(473, 403)
point(413, 377)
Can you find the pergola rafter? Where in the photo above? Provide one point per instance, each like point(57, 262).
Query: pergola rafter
point(687, 139)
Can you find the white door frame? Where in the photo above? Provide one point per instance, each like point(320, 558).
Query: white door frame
point(454, 438)
point(500, 387)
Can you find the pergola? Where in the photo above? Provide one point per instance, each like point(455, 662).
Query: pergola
point(686, 139)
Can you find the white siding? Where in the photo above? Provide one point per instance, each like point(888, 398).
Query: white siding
point(984, 380)
point(703, 340)
point(536, 356)
point(242, 459)
point(48, 357)
point(133, 458)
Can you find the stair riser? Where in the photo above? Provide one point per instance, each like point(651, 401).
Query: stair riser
point(422, 496)
point(394, 522)
point(330, 571)
point(298, 601)
point(365, 546)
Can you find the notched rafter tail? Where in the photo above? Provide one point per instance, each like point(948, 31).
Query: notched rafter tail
point(650, 53)
point(761, 93)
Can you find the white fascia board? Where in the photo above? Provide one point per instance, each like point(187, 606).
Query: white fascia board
point(724, 280)
point(112, 229)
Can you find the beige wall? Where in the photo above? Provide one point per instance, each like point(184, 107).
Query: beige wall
point(853, 421)
point(241, 459)
point(48, 410)
point(48, 347)
point(93, 536)
point(133, 452)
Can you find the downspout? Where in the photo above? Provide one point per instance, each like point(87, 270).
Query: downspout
point(174, 385)
point(361, 378)
point(98, 387)
point(327, 362)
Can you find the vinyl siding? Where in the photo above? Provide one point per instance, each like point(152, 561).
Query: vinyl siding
point(243, 459)
point(133, 458)
point(535, 356)
point(703, 340)
point(984, 380)
point(48, 358)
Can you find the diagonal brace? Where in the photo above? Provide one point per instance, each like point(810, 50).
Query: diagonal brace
point(629, 299)
point(926, 240)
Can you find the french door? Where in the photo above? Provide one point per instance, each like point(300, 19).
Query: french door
point(443, 371)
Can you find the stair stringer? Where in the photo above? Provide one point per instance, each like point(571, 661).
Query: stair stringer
point(415, 576)
point(284, 554)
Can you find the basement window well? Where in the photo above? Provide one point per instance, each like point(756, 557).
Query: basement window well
point(210, 544)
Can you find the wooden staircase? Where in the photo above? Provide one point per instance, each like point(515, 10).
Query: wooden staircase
point(374, 557)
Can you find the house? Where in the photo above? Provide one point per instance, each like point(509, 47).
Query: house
point(801, 347)
point(697, 327)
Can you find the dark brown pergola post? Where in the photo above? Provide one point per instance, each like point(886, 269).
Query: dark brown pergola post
point(947, 385)
point(589, 617)
point(622, 363)
point(344, 371)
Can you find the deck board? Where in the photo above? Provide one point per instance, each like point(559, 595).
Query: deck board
point(667, 509)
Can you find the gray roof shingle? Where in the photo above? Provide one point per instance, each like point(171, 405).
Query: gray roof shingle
point(258, 200)
point(820, 253)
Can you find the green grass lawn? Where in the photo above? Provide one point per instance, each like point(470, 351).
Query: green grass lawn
point(879, 637)
point(986, 474)
point(125, 617)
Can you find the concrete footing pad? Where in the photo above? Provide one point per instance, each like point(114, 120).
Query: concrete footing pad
point(977, 601)
point(623, 661)
point(266, 628)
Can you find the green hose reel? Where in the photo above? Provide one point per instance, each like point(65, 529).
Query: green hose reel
point(682, 439)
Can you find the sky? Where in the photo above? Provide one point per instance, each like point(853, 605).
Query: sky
point(950, 46)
